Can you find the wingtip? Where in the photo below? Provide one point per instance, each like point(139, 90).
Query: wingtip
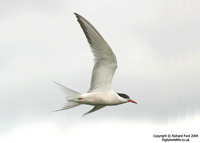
point(84, 114)
point(76, 14)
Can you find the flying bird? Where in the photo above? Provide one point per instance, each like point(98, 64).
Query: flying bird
point(100, 93)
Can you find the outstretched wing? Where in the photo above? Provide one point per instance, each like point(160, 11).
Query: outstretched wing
point(94, 109)
point(105, 60)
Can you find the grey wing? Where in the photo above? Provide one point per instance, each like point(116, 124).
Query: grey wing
point(94, 109)
point(105, 60)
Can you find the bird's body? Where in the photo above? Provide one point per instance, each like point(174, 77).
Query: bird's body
point(106, 98)
point(100, 93)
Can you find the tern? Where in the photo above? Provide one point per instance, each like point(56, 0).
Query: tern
point(100, 93)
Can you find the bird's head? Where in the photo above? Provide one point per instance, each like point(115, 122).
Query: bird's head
point(126, 98)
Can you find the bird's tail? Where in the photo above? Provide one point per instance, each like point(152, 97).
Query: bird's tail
point(70, 94)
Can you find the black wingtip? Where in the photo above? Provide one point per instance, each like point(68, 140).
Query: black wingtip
point(76, 14)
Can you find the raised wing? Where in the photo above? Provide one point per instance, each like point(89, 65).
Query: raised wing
point(105, 60)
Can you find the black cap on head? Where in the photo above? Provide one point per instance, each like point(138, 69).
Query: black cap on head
point(123, 95)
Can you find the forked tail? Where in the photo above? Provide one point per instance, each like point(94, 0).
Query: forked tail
point(69, 95)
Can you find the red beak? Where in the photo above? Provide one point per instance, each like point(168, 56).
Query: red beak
point(132, 101)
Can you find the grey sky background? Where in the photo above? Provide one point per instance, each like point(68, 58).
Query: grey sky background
point(158, 50)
